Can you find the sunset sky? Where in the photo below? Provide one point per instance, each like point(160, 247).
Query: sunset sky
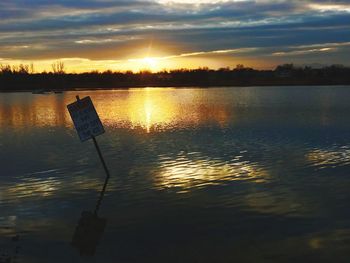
point(168, 34)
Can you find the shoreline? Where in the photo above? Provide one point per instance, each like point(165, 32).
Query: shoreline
point(60, 91)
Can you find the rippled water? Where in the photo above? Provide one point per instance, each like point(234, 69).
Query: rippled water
point(253, 174)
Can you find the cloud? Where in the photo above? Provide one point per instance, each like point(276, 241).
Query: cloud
point(100, 29)
point(338, 8)
point(312, 49)
point(201, 53)
point(303, 52)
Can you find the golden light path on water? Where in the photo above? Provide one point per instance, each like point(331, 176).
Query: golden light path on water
point(139, 109)
point(223, 160)
point(150, 108)
point(27, 110)
point(48, 184)
point(187, 171)
point(157, 109)
point(333, 157)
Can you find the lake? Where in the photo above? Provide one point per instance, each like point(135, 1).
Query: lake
point(251, 174)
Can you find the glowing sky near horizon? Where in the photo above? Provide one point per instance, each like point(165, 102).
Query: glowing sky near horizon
point(167, 34)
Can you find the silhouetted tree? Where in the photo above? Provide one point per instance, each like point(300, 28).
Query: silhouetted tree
point(24, 77)
point(58, 67)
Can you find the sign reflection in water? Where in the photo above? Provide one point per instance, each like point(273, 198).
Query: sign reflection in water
point(223, 174)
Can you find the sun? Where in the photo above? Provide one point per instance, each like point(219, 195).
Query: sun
point(150, 63)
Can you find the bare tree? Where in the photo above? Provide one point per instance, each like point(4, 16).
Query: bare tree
point(23, 69)
point(5, 69)
point(32, 70)
point(58, 67)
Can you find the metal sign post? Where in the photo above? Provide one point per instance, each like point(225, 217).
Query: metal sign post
point(88, 125)
point(85, 118)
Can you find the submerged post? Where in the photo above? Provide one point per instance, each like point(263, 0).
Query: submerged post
point(101, 156)
point(107, 177)
point(98, 203)
point(88, 125)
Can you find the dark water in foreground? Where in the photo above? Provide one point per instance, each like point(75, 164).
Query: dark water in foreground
point(259, 174)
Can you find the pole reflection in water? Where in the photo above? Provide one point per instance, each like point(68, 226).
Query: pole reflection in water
point(90, 228)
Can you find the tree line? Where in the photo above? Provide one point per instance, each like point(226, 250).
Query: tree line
point(24, 77)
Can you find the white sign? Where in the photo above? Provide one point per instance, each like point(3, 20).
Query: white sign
point(85, 119)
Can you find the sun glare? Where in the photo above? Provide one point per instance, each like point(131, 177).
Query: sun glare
point(150, 63)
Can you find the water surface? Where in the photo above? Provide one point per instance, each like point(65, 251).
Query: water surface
point(253, 174)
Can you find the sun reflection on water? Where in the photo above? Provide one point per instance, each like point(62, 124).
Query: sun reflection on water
point(49, 184)
point(23, 109)
point(151, 109)
point(188, 171)
point(41, 187)
point(147, 109)
point(334, 157)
